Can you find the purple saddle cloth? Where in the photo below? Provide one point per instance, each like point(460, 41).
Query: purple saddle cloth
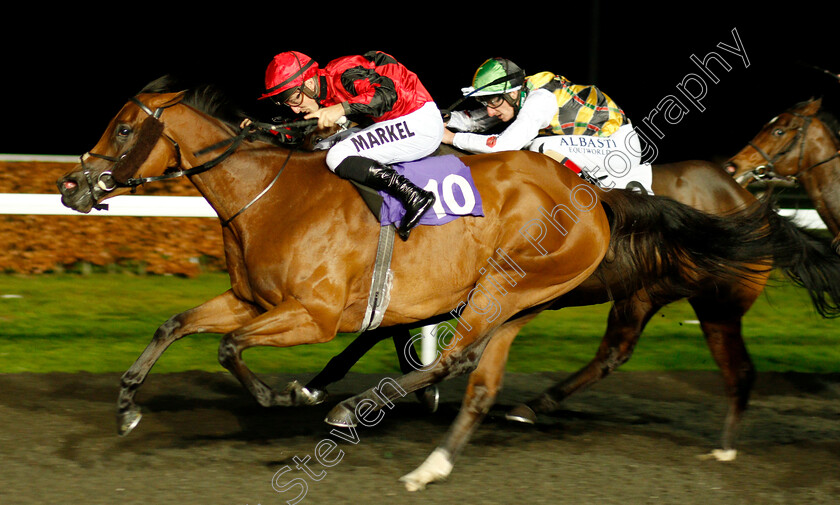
point(448, 178)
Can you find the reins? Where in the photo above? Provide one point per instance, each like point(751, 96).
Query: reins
point(445, 113)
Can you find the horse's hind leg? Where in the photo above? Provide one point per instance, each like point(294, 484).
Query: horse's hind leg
point(483, 386)
point(625, 323)
point(484, 355)
point(218, 315)
point(721, 324)
point(459, 357)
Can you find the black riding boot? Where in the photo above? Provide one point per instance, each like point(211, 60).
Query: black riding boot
point(415, 200)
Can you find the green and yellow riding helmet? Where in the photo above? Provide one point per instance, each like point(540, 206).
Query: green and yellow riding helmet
point(494, 81)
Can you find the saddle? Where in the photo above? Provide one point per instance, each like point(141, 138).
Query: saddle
point(455, 194)
point(446, 176)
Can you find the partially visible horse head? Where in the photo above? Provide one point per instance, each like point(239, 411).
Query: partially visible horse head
point(135, 138)
point(778, 149)
point(801, 145)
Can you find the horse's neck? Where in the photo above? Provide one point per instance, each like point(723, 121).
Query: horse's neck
point(240, 180)
point(821, 177)
point(237, 180)
point(822, 184)
point(822, 144)
point(820, 157)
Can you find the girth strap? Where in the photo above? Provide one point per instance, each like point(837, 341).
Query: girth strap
point(380, 286)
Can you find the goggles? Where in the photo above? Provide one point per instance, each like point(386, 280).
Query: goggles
point(291, 97)
point(491, 101)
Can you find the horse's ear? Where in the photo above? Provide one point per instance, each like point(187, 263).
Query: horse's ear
point(175, 99)
point(812, 106)
point(155, 100)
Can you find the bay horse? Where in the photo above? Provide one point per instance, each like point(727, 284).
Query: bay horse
point(300, 252)
point(801, 145)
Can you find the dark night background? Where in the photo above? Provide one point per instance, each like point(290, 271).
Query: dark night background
point(64, 79)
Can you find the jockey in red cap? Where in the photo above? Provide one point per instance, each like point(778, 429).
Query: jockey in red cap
point(286, 74)
point(406, 126)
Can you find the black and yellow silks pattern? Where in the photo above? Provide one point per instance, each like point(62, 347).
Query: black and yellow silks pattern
point(582, 109)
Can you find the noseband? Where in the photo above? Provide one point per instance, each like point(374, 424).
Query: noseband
point(768, 172)
point(127, 164)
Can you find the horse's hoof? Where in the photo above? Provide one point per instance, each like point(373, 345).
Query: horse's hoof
point(430, 398)
point(522, 414)
point(128, 420)
point(341, 417)
point(313, 396)
point(720, 455)
point(436, 467)
point(301, 395)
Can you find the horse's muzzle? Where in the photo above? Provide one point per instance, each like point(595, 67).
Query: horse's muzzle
point(75, 192)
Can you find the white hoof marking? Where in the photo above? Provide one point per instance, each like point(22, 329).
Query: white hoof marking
point(436, 467)
point(721, 455)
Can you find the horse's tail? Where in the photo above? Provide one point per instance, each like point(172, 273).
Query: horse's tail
point(809, 261)
point(671, 245)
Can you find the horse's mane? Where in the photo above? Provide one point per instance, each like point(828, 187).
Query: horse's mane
point(833, 124)
point(206, 98)
point(212, 100)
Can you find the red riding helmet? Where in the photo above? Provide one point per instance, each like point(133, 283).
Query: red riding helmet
point(286, 73)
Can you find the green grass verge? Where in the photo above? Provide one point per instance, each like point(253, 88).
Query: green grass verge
point(102, 322)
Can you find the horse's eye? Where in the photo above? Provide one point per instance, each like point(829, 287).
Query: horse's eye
point(123, 131)
point(778, 132)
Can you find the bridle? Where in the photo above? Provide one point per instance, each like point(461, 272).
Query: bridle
point(150, 132)
point(152, 127)
point(767, 171)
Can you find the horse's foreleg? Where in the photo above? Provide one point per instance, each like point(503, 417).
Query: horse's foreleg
point(345, 413)
point(484, 384)
point(286, 325)
point(722, 329)
point(625, 323)
point(339, 365)
point(218, 315)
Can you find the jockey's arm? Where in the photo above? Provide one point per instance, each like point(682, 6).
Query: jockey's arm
point(536, 113)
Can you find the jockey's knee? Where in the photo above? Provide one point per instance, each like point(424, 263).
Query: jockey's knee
point(334, 158)
point(355, 168)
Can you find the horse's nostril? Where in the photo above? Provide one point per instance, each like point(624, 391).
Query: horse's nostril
point(68, 187)
point(730, 168)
